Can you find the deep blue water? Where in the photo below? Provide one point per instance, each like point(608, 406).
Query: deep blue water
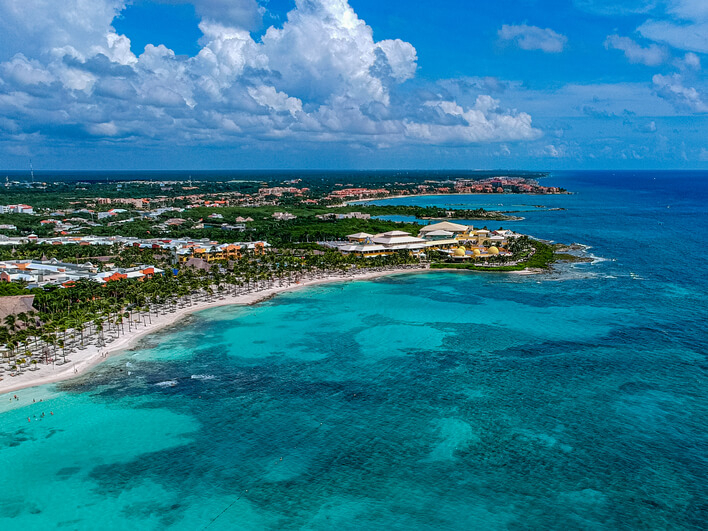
point(572, 400)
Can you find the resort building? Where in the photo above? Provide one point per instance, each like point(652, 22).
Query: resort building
point(181, 249)
point(39, 273)
point(214, 252)
point(387, 243)
point(348, 215)
point(283, 216)
point(16, 209)
point(455, 229)
point(446, 237)
point(358, 192)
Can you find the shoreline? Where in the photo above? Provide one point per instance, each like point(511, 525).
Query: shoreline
point(81, 361)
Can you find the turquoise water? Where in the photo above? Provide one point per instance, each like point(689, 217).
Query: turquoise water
point(573, 400)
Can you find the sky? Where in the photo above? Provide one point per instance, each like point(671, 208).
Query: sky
point(364, 84)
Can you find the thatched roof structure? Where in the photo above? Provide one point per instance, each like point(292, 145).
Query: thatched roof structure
point(15, 304)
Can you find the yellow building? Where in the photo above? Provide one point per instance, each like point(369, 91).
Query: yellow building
point(226, 251)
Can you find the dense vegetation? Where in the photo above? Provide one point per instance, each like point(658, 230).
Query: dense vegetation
point(13, 288)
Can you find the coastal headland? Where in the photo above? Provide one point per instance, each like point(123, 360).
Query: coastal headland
point(88, 268)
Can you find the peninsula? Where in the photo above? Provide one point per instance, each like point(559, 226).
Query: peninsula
point(87, 269)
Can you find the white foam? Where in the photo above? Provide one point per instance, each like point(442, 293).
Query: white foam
point(167, 383)
point(203, 377)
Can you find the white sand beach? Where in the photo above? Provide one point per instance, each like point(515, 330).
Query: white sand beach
point(80, 361)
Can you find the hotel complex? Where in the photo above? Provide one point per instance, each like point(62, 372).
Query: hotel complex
point(181, 249)
point(40, 273)
point(460, 242)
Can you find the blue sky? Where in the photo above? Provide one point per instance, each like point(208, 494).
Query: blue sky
point(538, 84)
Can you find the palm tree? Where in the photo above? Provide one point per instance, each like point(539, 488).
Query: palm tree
point(11, 322)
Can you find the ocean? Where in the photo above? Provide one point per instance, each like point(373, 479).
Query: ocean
point(575, 399)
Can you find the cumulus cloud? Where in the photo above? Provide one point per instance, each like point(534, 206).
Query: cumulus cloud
point(320, 76)
point(672, 89)
point(25, 72)
point(652, 55)
point(277, 101)
point(533, 38)
point(481, 123)
point(78, 28)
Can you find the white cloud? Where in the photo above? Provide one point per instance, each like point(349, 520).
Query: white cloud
point(401, 57)
point(672, 89)
point(103, 129)
point(688, 62)
point(692, 37)
point(77, 27)
point(25, 72)
point(703, 155)
point(278, 101)
point(503, 151)
point(533, 38)
point(484, 122)
point(651, 55)
point(555, 152)
point(321, 76)
point(650, 127)
point(689, 9)
point(686, 27)
point(616, 7)
point(324, 48)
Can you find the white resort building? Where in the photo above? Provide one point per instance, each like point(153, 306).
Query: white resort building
point(39, 273)
point(460, 242)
